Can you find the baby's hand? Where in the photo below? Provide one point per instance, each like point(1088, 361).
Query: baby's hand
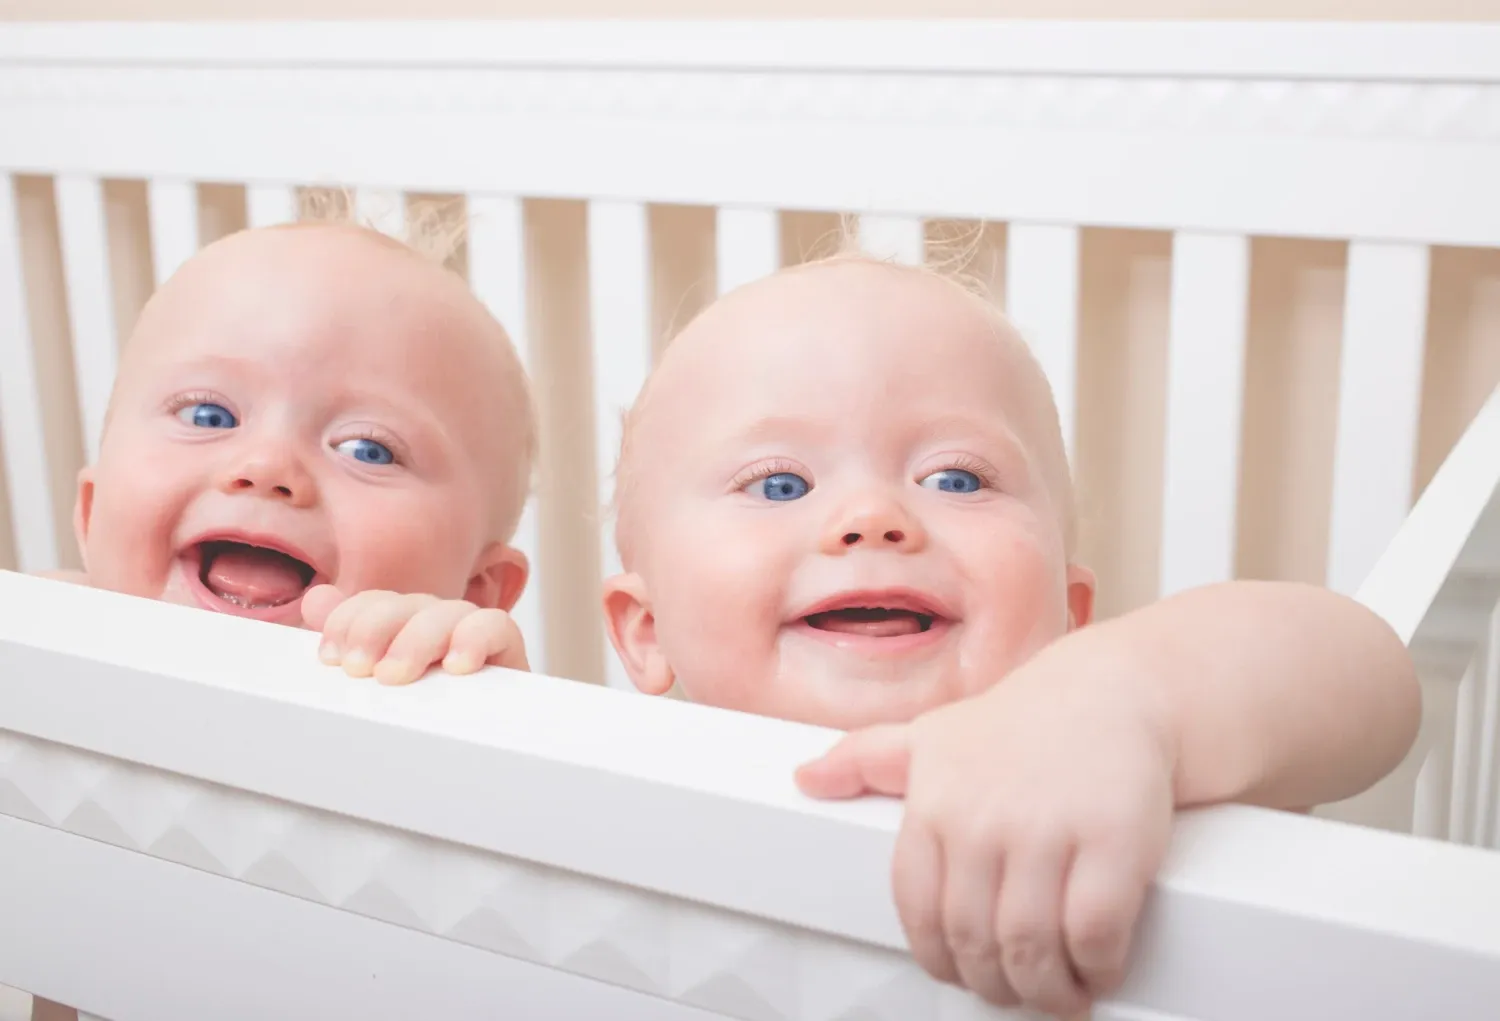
point(1037, 815)
point(395, 637)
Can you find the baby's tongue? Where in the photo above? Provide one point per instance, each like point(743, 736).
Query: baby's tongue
point(253, 576)
point(871, 623)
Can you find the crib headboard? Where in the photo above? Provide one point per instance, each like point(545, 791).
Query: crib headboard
point(1260, 264)
point(1257, 261)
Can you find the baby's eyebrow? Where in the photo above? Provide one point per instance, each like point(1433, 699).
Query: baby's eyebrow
point(772, 427)
point(994, 440)
point(991, 433)
point(226, 364)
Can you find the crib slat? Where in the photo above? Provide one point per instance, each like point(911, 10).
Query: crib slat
point(497, 273)
point(85, 244)
point(174, 225)
point(748, 246)
point(25, 447)
point(1463, 784)
point(1380, 387)
point(893, 237)
point(1487, 754)
point(269, 205)
point(383, 210)
point(1041, 299)
point(1432, 803)
point(619, 257)
point(1205, 387)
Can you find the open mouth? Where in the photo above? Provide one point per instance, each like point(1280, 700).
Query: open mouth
point(252, 577)
point(876, 615)
point(873, 621)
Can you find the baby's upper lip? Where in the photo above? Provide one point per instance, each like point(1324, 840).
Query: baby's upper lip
point(908, 599)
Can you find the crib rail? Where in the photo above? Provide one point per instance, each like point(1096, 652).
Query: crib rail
point(196, 789)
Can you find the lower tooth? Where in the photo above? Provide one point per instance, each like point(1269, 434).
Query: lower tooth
point(243, 603)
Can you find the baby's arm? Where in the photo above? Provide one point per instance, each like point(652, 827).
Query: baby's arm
point(1038, 812)
point(1277, 694)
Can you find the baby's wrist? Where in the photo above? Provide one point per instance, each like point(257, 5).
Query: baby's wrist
point(1119, 672)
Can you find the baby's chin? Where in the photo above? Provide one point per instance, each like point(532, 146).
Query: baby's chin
point(832, 686)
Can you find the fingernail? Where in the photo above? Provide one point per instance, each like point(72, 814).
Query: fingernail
point(328, 652)
point(358, 664)
point(392, 671)
point(460, 663)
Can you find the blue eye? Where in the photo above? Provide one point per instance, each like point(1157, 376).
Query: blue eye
point(367, 451)
point(954, 480)
point(207, 416)
point(783, 486)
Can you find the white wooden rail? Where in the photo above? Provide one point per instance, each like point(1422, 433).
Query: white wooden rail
point(525, 843)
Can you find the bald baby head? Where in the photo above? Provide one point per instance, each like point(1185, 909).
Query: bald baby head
point(834, 312)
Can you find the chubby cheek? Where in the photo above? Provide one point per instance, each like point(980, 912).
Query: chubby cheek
point(718, 599)
point(128, 545)
point(404, 541)
point(1015, 610)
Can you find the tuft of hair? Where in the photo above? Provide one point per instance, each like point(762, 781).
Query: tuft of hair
point(435, 229)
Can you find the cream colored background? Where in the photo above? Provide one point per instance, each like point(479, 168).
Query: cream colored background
point(1292, 366)
point(1306, 10)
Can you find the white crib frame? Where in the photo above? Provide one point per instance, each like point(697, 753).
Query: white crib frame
point(128, 828)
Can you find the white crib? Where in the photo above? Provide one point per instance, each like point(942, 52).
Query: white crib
point(198, 820)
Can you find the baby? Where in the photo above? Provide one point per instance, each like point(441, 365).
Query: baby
point(313, 411)
point(843, 499)
point(310, 412)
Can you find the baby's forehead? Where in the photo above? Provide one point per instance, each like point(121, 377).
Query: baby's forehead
point(295, 304)
point(300, 283)
point(815, 333)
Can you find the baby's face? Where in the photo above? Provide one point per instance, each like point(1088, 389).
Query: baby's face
point(305, 406)
point(844, 503)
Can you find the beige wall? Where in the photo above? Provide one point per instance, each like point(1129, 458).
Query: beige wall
point(1309, 10)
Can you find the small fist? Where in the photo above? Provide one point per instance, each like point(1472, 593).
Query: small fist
point(1036, 817)
point(395, 637)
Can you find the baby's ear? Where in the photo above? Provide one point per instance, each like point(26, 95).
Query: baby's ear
point(499, 578)
point(1081, 586)
point(83, 510)
point(632, 631)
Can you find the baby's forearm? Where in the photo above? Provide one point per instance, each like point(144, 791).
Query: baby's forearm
point(1276, 694)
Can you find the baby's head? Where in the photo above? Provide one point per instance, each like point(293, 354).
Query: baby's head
point(843, 499)
point(307, 404)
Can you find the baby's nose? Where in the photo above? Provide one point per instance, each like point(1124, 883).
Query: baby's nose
point(273, 478)
point(874, 524)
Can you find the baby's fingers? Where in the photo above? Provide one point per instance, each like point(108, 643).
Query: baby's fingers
point(1029, 925)
point(917, 875)
point(972, 874)
point(339, 620)
point(486, 637)
point(421, 641)
point(318, 603)
point(373, 626)
point(1104, 898)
